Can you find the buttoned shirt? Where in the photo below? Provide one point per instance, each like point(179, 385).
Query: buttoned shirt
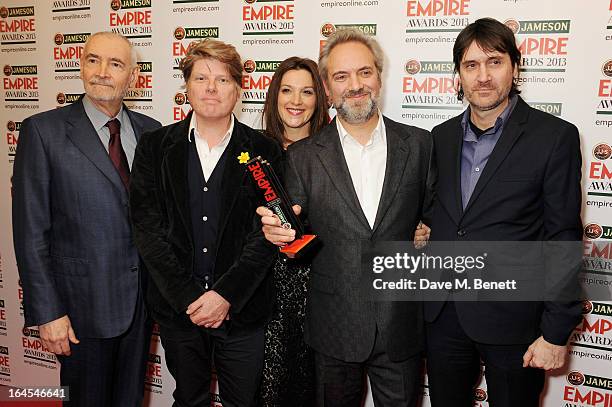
point(477, 149)
point(209, 157)
point(99, 119)
point(366, 164)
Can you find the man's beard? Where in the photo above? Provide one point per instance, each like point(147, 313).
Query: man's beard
point(360, 113)
point(484, 108)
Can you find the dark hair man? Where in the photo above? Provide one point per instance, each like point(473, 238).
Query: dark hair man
point(519, 180)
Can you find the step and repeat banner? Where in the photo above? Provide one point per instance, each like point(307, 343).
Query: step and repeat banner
point(566, 71)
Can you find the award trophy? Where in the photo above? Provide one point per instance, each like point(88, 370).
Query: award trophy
point(276, 199)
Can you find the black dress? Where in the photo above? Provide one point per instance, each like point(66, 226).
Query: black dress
point(288, 375)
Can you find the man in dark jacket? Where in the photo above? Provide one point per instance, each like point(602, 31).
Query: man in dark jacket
point(79, 269)
point(193, 209)
point(506, 172)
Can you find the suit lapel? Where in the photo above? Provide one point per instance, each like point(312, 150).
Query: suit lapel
point(83, 135)
point(511, 133)
point(454, 147)
point(175, 169)
point(332, 158)
point(398, 154)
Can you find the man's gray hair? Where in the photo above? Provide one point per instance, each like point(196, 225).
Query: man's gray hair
point(350, 35)
point(110, 34)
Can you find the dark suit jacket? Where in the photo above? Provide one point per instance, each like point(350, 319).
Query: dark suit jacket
point(72, 235)
point(529, 191)
point(159, 200)
point(340, 322)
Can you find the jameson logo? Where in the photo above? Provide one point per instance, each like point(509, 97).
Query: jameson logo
point(16, 12)
point(329, 29)
point(145, 67)
point(480, 395)
point(251, 66)
point(180, 47)
point(597, 308)
point(594, 231)
point(180, 98)
point(602, 151)
point(20, 70)
point(579, 379)
point(413, 67)
point(30, 332)
point(551, 108)
point(63, 98)
point(196, 32)
point(77, 38)
point(126, 4)
point(539, 27)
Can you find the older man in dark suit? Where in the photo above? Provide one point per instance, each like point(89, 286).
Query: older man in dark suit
point(80, 271)
point(364, 177)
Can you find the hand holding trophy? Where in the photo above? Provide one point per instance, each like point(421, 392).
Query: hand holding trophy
point(275, 198)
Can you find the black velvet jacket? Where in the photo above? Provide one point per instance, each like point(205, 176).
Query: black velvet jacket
point(160, 214)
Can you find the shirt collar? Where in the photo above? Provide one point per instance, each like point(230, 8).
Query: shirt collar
point(98, 118)
point(500, 122)
point(193, 129)
point(378, 134)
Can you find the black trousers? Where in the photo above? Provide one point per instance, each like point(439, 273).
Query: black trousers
point(453, 367)
point(108, 371)
point(342, 384)
point(238, 360)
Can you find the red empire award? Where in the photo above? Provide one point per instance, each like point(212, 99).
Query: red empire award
point(275, 198)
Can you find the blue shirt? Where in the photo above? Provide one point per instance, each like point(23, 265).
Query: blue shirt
point(476, 151)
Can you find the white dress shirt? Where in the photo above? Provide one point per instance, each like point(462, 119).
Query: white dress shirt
point(367, 166)
point(209, 157)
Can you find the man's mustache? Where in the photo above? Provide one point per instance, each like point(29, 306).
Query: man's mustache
point(357, 92)
point(101, 82)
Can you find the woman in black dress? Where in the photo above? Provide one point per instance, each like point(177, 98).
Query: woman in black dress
point(295, 108)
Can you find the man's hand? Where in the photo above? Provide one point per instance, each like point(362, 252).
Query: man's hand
point(545, 355)
point(272, 229)
point(209, 311)
point(56, 335)
point(421, 235)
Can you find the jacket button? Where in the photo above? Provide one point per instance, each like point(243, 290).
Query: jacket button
point(133, 269)
point(461, 232)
